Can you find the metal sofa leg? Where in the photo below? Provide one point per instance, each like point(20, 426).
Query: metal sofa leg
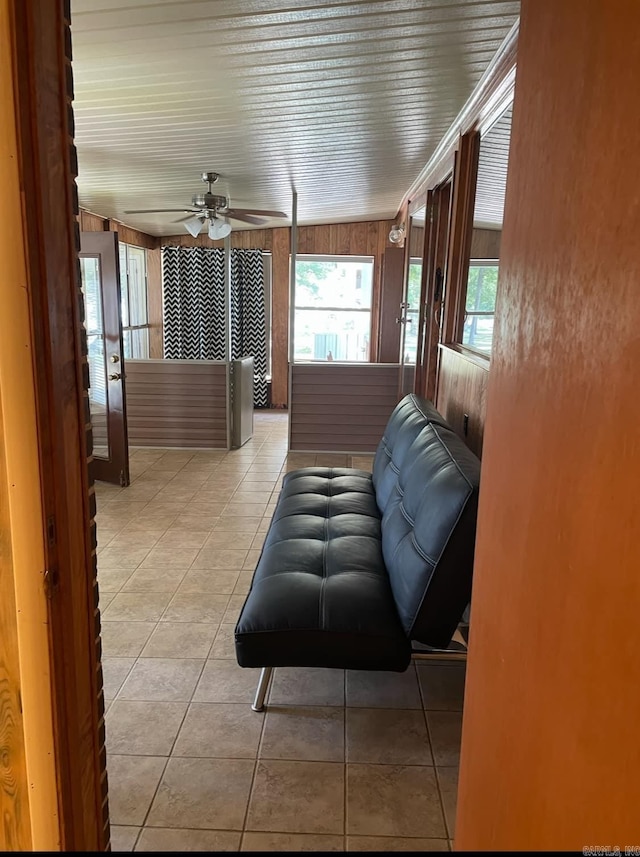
point(263, 686)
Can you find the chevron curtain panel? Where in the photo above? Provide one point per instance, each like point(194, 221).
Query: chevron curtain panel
point(194, 308)
point(248, 322)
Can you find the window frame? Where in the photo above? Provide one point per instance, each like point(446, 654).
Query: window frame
point(125, 278)
point(336, 257)
point(476, 263)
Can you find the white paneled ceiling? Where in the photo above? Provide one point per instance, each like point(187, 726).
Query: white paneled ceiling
point(492, 174)
point(345, 101)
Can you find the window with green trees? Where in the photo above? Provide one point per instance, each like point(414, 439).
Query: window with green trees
point(333, 308)
point(480, 305)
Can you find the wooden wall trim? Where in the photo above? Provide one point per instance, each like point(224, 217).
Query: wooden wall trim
point(48, 167)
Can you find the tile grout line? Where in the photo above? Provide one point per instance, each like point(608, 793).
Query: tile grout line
point(433, 758)
point(345, 820)
point(166, 765)
point(255, 771)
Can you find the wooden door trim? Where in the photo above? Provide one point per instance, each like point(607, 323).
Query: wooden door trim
point(436, 259)
point(461, 227)
point(48, 169)
point(426, 295)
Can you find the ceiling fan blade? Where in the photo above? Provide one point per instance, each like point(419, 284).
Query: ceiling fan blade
point(235, 214)
point(260, 211)
point(188, 217)
point(156, 210)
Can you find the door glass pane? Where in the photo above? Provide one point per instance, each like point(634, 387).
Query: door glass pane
point(410, 309)
point(413, 286)
point(136, 343)
point(124, 285)
point(98, 405)
point(137, 287)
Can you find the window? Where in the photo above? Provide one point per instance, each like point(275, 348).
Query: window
point(480, 306)
point(133, 297)
point(333, 308)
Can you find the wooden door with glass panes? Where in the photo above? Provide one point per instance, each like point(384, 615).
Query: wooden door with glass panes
point(101, 290)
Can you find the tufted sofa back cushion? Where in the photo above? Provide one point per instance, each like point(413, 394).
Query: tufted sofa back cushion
point(406, 422)
point(426, 481)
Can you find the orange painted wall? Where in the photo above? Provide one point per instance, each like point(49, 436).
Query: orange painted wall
point(551, 734)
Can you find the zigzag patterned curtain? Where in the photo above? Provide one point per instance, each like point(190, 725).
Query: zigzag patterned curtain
point(194, 308)
point(248, 323)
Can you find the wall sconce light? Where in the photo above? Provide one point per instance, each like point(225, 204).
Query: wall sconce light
point(396, 235)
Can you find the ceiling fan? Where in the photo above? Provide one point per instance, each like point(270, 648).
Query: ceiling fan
point(214, 210)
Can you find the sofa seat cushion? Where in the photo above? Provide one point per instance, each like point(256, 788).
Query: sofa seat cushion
point(320, 595)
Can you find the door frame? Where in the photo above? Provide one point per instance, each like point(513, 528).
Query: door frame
point(432, 297)
point(414, 206)
point(47, 164)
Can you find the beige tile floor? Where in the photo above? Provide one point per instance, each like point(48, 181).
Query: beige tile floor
point(341, 760)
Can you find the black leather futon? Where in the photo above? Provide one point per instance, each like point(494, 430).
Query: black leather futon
point(355, 565)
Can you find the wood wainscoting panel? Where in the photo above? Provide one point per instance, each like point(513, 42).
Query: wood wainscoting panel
point(341, 407)
point(177, 403)
point(462, 392)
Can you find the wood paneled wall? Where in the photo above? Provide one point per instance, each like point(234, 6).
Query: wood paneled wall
point(280, 268)
point(485, 244)
point(550, 750)
point(392, 284)
point(154, 297)
point(341, 407)
point(90, 222)
point(462, 391)
point(242, 239)
point(177, 403)
point(366, 238)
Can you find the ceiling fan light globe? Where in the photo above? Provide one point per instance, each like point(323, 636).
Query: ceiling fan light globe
point(193, 226)
point(219, 229)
